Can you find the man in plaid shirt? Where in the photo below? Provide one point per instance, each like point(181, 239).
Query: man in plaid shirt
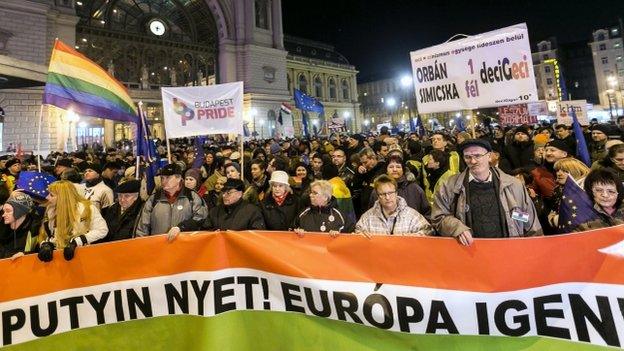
point(390, 214)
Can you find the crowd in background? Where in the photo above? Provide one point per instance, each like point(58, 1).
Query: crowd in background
point(498, 182)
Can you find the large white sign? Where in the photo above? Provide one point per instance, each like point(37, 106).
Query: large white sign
point(203, 110)
point(485, 70)
point(564, 115)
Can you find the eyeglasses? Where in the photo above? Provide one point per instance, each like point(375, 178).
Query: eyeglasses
point(608, 192)
point(230, 193)
point(474, 157)
point(386, 195)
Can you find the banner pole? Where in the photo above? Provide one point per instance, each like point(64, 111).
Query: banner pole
point(168, 150)
point(242, 158)
point(473, 124)
point(39, 139)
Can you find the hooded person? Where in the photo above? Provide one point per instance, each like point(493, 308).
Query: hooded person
point(96, 190)
point(20, 226)
point(519, 152)
point(121, 218)
point(193, 181)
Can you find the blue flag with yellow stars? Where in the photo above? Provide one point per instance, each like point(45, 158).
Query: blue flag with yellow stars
point(308, 103)
point(575, 207)
point(35, 184)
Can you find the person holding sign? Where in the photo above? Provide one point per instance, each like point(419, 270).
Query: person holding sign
point(483, 202)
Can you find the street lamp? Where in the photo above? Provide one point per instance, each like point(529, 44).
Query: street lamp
point(613, 83)
point(71, 117)
point(406, 83)
point(346, 116)
point(261, 128)
point(391, 102)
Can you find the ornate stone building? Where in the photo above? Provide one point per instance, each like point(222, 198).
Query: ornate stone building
point(146, 44)
point(320, 71)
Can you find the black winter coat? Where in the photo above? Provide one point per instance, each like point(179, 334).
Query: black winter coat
point(121, 226)
point(239, 216)
point(14, 241)
point(324, 219)
point(280, 217)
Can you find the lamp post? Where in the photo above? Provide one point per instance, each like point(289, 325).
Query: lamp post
point(254, 112)
point(390, 103)
point(346, 116)
point(406, 84)
point(613, 83)
point(72, 118)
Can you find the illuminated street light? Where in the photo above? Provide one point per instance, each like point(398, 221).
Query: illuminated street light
point(406, 81)
point(390, 101)
point(346, 114)
point(458, 114)
point(366, 122)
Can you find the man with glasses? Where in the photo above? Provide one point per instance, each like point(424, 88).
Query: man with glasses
point(390, 214)
point(339, 159)
point(234, 213)
point(483, 202)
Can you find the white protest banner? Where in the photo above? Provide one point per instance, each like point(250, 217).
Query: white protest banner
point(486, 70)
point(515, 114)
point(565, 117)
point(337, 124)
point(203, 110)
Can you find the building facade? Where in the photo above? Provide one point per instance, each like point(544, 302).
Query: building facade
point(389, 100)
point(147, 44)
point(547, 69)
point(318, 70)
point(608, 57)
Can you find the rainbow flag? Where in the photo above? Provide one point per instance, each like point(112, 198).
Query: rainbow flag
point(79, 84)
point(266, 291)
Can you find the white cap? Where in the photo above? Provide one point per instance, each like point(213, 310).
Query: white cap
point(280, 177)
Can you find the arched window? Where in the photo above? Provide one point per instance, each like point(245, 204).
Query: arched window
point(318, 87)
point(332, 88)
point(262, 14)
point(345, 90)
point(303, 84)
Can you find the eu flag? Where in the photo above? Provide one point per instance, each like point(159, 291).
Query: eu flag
point(147, 149)
point(581, 147)
point(34, 184)
point(308, 103)
point(575, 207)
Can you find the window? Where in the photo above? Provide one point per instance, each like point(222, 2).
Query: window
point(547, 69)
point(545, 57)
point(288, 81)
point(602, 47)
point(318, 87)
point(262, 14)
point(617, 45)
point(604, 60)
point(618, 59)
point(345, 90)
point(549, 81)
point(332, 88)
point(303, 84)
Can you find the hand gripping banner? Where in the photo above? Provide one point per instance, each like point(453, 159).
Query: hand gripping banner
point(276, 291)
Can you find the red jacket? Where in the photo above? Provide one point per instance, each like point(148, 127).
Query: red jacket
point(544, 182)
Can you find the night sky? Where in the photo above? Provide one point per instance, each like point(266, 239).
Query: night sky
point(376, 36)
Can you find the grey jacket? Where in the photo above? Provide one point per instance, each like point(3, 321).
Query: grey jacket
point(158, 216)
point(513, 196)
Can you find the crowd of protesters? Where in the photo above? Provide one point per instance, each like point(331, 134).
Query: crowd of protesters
point(496, 183)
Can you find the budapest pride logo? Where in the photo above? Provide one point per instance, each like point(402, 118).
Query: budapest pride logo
point(211, 109)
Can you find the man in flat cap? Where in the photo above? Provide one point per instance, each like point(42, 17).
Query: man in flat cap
point(171, 208)
point(121, 218)
point(482, 201)
point(234, 213)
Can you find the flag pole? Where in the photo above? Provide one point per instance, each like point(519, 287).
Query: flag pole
point(473, 124)
point(139, 139)
point(168, 149)
point(39, 139)
point(242, 157)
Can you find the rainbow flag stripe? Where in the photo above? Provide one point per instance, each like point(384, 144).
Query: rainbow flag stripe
point(77, 83)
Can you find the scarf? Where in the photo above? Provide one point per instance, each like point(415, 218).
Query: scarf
point(279, 200)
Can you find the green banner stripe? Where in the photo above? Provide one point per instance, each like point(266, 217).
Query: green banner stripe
point(270, 331)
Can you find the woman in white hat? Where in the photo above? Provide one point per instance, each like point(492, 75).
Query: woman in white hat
point(280, 207)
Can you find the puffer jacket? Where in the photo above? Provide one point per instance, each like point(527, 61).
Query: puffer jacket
point(158, 216)
point(238, 216)
point(324, 219)
point(449, 207)
point(280, 217)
